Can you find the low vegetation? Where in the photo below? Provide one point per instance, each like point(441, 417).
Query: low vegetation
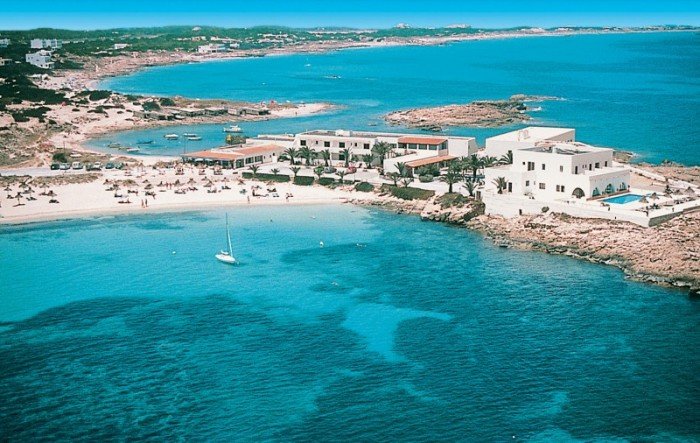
point(407, 193)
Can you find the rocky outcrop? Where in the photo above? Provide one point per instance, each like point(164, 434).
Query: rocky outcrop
point(668, 254)
point(485, 113)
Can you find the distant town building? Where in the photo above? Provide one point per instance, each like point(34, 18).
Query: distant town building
point(40, 59)
point(402, 26)
point(121, 45)
point(38, 43)
point(4, 42)
point(212, 48)
point(5, 61)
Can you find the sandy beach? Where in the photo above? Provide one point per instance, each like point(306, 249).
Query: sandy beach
point(99, 197)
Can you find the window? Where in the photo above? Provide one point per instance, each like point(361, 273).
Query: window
point(561, 169)
point(326, 144)
point(527, 182)
point(597, 165)
point(542, 186)
point(560, 188)
point(576, 170)
point(543, 166)
point(606, 163)
point(258, 158)
point(302, 142)
point(340, 144)
point(530, 166)
point(366, 145)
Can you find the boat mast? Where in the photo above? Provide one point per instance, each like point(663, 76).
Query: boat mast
point(228, 237)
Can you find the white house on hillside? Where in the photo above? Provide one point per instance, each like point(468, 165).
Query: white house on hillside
point(499, 145)
point(4, 42)
point(40, 59)
point(555, 171)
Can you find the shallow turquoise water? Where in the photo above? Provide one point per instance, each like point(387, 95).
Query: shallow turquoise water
point(638, 92)
point(126, 327)
point(622, 199)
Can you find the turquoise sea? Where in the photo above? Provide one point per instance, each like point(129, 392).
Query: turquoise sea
point(636, 92)
point(127, 328)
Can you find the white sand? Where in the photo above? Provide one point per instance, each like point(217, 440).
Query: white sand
point(92, 199)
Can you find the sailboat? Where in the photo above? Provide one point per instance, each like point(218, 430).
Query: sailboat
point(227, 256)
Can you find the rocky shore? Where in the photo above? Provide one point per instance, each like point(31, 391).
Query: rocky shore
point(668, 254)
point(483, 113)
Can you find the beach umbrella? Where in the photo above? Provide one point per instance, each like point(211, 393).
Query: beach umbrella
point(8, 188)
point(643, 200)
point(149, 186)
point(106, 182)
point(208, 185)
point(690, 191)
point(161, 184)
point(177, 182)
point(51, 193)
point(653, 196)
point(191, 181)
point(146, 182)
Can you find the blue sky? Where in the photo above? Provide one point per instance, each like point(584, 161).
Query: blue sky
point(91, 14)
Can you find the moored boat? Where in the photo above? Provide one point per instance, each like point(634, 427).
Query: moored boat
point(171, 136)
point(233, 128)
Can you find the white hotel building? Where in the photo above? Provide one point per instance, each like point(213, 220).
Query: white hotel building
point(499, 145)
point(414, 150)
point(550, 171)
point(38, 43)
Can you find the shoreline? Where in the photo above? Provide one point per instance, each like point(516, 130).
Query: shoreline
point(166, 59)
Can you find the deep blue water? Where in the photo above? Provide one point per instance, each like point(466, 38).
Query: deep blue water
point(637, 92)
point(127, 328)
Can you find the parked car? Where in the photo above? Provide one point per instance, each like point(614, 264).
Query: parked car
point(352, 169)
point(109, 165)
point(77, 165)
point(55, 166)
point(118, 165)
point(97, 166)
point(64, 166)
point(329, 169)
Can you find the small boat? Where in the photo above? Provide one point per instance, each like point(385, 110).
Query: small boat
point(114, 145)
point(144, 142)
point(189, 134)
point(194, 138)
point(171, 136)
point(227, 256)
point(132, 149)
point(233, 128)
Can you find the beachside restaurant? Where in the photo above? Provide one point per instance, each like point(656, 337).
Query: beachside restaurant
point(440, 160)
point(235, 158)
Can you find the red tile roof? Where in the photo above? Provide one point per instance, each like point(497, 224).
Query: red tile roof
point(423, 140)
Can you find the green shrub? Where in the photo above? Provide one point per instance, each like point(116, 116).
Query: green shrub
point(167, 101)
point(427, 178)
point(60, 157)
point(151, 106)
point(326, 181)
point(280, 178)
point(545, 208)
point(451, 199)
point(408, 193)
point(303, 180)
point(364, 187)
point(98, 95)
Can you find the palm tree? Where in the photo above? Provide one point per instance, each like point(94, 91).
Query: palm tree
point(275, 171)
point(318, 171)
point(368, 158)
point(341, 174)
point(500, 183)
point(306, 153)
point(451, 177)
point(488, 161)
point(394, 176)
point(402, 168)
point(470, 185)
point(506, 159)
point(255, 168)
point(295, 170)
point(326, 155)
point(291, 153)
point(474, 163)
point(347, 152)
point(381, 149)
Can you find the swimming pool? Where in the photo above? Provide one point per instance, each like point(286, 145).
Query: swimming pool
point(622, 199)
